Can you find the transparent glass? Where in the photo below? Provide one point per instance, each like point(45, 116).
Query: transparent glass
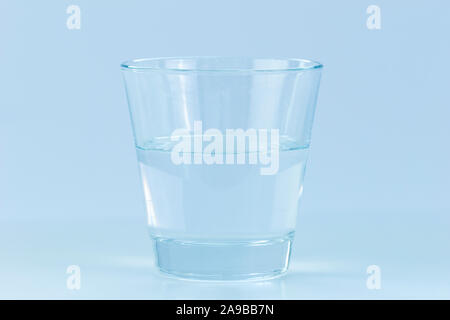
point(222, 145)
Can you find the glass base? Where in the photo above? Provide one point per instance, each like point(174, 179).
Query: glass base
point(227, 260)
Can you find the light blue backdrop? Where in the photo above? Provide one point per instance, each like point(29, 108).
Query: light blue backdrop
point(378, 183)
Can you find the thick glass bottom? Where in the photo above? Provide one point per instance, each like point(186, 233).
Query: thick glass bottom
point(224, 260)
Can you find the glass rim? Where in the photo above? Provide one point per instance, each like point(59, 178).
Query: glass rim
point(265, 64)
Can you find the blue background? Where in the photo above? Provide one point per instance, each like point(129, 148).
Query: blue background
point(377, 188)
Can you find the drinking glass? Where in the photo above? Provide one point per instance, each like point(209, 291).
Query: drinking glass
point(222, 145)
